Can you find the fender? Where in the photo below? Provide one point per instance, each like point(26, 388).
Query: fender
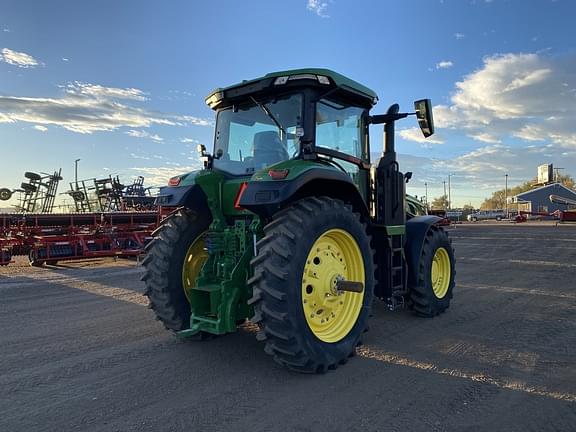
point(267, 197)
point(416, 229)
point(191, 196)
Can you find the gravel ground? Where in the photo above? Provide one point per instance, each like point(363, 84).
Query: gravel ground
point(79, 350)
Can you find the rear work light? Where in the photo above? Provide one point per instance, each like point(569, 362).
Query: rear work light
point(284, 79)
point(241, 190)
point(278, 174)
point(174, 181)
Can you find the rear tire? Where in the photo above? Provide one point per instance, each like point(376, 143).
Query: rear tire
point(294, 334)
point(164, 263)
point(434, 283)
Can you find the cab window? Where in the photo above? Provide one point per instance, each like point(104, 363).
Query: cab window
point(338, 127)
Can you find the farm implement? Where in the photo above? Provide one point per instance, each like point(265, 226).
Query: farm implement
point(49, 238)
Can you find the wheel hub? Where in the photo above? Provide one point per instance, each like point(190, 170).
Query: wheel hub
point(441, 272)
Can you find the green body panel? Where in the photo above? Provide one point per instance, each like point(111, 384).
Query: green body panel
point(189, 179)
point(295, 168)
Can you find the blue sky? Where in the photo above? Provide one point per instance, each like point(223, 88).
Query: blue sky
point(121, 84)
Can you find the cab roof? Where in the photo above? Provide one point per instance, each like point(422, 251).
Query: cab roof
point(270, 80)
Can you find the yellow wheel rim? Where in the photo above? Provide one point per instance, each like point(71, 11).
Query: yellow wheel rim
point(331, 314)
point(193, 263)
point(441, 272)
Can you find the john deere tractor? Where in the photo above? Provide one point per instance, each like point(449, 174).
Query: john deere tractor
point(290, 223)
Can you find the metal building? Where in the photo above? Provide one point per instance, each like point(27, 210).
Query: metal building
point(538, 200)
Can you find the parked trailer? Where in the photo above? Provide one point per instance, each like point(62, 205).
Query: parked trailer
point(568, 215)
point(49, 238)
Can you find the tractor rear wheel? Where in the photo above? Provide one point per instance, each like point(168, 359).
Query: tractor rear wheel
point(308, 250)
point(173, 261)
point(432, 292)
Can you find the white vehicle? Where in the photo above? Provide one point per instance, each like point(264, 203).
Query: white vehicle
point(487, 215)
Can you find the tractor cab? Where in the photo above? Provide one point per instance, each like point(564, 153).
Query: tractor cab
point(306, 114)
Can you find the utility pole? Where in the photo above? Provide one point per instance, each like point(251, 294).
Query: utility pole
point(444, 182)
point(76, 172)
point(449, 193)
point(506, 195)
point(557, 174)
point(426, 188)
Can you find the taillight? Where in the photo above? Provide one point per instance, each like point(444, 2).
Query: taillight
point(241, 190)
point(174, 181)
point(278, 174)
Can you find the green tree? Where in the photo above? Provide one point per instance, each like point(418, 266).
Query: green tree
point(440, 203)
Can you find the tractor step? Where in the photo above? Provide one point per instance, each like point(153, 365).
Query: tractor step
point(208, 288)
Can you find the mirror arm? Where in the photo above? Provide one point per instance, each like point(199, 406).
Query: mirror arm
point(387, 118)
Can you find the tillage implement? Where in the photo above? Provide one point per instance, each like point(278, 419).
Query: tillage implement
point(291, 225)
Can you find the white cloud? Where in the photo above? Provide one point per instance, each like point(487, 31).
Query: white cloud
point(6, 30)
point(137, 156)
point(41, 128)
point(189, 140)
point(17, 58)
point(318, 7)
point(87, 108)
point(159, 176)
point(459, 36)
point(415, 134)
point(485, 137)
point(64, 59)
point(529, 96)
point(444, 64)
point(144, 134)
point(101, 92)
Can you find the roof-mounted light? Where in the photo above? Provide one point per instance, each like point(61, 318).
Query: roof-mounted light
point(284, 79)
point(214, 99)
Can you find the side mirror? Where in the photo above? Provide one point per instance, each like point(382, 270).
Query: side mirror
point(423, 110)
point(407, 176)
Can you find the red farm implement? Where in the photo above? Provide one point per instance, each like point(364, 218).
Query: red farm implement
point(48, 238)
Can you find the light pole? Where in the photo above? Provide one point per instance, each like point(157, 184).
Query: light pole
point(426, 188)
point(449, 193)
point(506, 195)
point(444, 182)
point(76, 172)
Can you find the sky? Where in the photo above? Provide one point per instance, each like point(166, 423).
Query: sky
point(120, 85)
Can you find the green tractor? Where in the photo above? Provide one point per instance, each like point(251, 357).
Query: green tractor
point(290, 224)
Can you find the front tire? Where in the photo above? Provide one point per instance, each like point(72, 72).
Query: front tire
point(435, 280)
point(165, 267)
point(308, 325)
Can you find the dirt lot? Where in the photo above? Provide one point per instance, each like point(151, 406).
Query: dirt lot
point(79, 350)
